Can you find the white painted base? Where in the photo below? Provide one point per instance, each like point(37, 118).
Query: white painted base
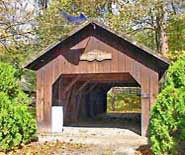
point(57, 119)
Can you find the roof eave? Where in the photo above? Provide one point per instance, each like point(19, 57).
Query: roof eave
point(32, 63)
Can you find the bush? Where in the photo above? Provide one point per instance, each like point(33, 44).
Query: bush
point(17, 125)
point(167, 125)
point(176, 74)
point(8, 80)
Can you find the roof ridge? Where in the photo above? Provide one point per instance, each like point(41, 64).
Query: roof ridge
point(102, 25)
point(133, 41)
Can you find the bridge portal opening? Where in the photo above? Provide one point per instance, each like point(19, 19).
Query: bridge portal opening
point(87, 100)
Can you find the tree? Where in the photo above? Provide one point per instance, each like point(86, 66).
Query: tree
point(17, 125)
point(176, 33)
point(167, 125)
point(147, 21)
point(43, 4)
point(153, 17)
point(51, 25)
point(16, 28)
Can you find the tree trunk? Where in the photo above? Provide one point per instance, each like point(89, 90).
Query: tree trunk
point(161, 36)
point(113, 103)
point(113, 99)
point(157, 34)
point(43, 4)
point(163, 42)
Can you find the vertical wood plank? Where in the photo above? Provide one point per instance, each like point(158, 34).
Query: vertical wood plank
point(39, 99)
point(145, 101)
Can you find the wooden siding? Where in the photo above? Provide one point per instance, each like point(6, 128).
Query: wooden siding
point(69, 63)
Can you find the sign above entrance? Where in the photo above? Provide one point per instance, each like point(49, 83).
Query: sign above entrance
point(96, 55)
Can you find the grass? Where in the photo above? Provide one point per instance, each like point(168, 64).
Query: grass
point(124, 103)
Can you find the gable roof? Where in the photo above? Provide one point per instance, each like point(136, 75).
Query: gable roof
point(94, 28)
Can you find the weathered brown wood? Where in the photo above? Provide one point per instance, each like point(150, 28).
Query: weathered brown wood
point(79, 102)
point(68, 87)
point(67, 102)
point(93, 86)
point(40, 100)
point(81, 85)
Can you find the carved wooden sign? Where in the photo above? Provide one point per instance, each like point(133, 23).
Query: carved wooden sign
point(96, 55)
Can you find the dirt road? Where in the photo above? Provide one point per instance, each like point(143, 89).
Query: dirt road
point(105, 134)
point(104, 140)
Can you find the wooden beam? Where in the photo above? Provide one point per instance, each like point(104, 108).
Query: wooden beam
point(78, 106)
point(60, 88)
point(82, 86)
point(107, 77)
point(68, 87)
point(67, 102)
point(91, 88)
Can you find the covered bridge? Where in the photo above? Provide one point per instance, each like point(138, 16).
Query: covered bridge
point(77, 72)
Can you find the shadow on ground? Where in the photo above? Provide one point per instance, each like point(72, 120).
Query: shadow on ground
point(130, 121)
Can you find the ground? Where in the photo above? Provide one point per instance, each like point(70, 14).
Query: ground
point(86, 141)
point(112, 134)
point(106, 134)
point(100, 141)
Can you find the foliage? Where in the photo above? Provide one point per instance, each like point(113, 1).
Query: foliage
point(16, 29)
point(151, 19)
point(28, 80)
point(51, 25)
point(175, 55)
point(17, 125)
point(8, 83)
point(176, 33)
point(167, 127)
point(145, 21)
point(124, 103)
point(176, 74)
point(25, 33)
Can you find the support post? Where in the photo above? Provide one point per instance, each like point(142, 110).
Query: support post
point(149, 91)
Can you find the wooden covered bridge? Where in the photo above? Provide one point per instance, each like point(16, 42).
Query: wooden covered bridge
point(77, 72)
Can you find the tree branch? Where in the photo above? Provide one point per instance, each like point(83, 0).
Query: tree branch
point(18, 34)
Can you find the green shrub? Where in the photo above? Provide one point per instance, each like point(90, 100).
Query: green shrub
point(167, 125)
point(176, 74)
point(8, 80)
point(17, 125)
